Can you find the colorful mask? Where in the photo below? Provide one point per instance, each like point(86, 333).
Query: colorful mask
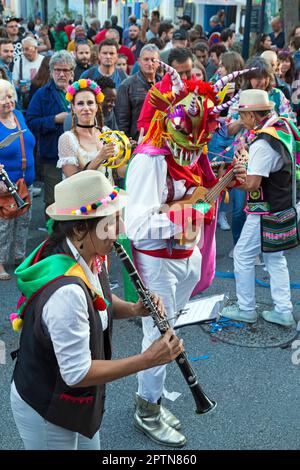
point(186, 115)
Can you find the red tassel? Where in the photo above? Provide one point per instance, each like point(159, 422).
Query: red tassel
point(99, 303)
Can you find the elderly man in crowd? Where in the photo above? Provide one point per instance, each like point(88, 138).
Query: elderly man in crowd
point(25, 69)
point(45, 116)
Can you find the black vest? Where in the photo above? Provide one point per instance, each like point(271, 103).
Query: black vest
point(37, 376)
point(277, 187)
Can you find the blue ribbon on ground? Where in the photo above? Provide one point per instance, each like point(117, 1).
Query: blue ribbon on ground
point(200, 358)
point(224, 322)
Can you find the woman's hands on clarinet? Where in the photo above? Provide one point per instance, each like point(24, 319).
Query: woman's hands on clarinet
point(141, 311)
point(164, 349)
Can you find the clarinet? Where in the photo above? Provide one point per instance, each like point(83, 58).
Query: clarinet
point(203, 403)
point(12, 189)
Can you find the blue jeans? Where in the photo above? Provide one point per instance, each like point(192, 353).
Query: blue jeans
point(38, 434)
point(238, 198)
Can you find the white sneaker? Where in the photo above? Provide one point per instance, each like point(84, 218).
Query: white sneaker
point(273, 316)
point(222, 221)
point(234, 313)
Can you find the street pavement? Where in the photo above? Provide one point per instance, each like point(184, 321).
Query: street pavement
point(257, 389)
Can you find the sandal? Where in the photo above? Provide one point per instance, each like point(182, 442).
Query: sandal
point(4, 276)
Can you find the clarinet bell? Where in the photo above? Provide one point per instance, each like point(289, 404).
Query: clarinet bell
point(204, 404)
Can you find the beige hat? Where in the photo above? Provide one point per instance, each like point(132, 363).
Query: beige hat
point(254, 100)
point(86, 195)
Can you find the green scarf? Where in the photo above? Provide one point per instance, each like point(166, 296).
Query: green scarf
point(32, 277)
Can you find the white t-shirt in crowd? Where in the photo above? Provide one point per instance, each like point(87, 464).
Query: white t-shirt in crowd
point(29, 69)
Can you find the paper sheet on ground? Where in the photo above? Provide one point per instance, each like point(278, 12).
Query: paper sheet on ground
point(201, 309)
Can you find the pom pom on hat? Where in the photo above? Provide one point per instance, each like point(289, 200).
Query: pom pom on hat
point(17, 324)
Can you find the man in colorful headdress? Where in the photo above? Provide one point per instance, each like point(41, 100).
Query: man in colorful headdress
point(166, 167)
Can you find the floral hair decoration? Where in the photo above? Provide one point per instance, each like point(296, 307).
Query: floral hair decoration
point(84, 84)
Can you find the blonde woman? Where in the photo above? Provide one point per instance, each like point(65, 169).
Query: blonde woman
point(80, 148)
point(18, 161)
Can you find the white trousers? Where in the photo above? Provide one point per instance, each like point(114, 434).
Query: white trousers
point(245, 252)
point(39, 434)
point(173, 281)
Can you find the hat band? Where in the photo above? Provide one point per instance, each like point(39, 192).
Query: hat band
point(83, 210)
point(253, 105)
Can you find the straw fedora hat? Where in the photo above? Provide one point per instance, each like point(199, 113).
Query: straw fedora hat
point(254, 100)
point(86, 195)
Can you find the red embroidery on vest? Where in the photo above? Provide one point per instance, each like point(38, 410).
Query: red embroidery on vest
point(80, 400)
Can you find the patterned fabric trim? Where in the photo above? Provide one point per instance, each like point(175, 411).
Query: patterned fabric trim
point(279, 231)
point(67, 161)
point(79, 400)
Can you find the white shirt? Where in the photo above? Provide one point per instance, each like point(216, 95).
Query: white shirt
point(65, 317)
point(29, 68)
point(263, 159)
point(70, 152)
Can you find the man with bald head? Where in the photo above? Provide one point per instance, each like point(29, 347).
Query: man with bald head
point(126, 39)
point(277, 35)
point(114, 25)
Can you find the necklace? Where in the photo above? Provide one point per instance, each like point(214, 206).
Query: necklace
point(89, 126)
point(8, 122)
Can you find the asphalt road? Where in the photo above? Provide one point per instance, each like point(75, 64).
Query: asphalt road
point(257, 389)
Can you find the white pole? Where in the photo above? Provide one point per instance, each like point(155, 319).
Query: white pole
point(238, 18)
point(102, 11)
point(167, 9)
